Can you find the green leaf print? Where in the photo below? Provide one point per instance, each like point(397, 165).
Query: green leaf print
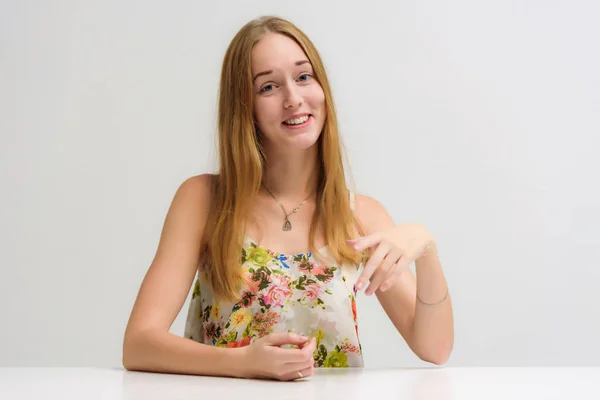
point(299, 284)
point(232, 337)
point(327, 274)
point(336, 359)
point(245, 301)
point(247, 331)
point(301, 258)
point(244, 256)
point(266, 270)
point(196, 289)
point(206, 313)
point(264, 305)
point(264, 283)
point(319, 336)
point(321, 355)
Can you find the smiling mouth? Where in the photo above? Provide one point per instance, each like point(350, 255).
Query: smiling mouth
point(300, 121)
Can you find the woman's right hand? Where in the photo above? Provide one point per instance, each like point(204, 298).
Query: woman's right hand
point(267, 360)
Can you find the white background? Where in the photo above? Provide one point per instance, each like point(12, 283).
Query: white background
point(479, 119)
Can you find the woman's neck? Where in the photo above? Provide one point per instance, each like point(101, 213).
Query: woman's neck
point(293, 176)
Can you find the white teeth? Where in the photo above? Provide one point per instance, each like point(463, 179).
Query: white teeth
point(297, 121)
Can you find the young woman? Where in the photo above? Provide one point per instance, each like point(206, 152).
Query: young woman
point(277, 244)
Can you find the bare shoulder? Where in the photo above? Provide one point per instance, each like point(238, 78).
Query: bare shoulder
point(195, 193)
point(196, 186)
point(187, 214)
point(371, 214)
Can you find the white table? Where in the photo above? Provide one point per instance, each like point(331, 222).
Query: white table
point(368, 384)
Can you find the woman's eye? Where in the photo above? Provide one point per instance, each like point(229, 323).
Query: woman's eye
point(267, 88)
point(306, 76)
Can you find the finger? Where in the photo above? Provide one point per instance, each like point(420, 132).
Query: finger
point(403, 262)
point(384, 271)
point(391, 279)
point(291, 356)
point(389, 261)
point(298, 374)
point(366, 242)
point(374, 261)
point(299, 366)
point(400, 268)
point(311, 343)
point(283, 338)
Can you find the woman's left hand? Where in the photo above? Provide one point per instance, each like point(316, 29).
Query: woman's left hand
point(394, 250)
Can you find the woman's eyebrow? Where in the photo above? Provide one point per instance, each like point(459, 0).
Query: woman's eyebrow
point(297, 63)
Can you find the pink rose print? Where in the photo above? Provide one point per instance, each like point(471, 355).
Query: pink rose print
point(313, 292)
point(252, 285)
point(285, 280)
point(276, 296)
point(306, 266)
point(318, 269)
point(258, 280)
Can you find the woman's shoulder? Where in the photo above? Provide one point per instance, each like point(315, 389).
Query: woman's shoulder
point(198, 186)
point(191, 207)
point(200, 179)
point(371, 213)
point(194, 196)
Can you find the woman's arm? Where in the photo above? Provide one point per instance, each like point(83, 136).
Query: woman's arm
point(428, 330)
point(148, 345)
point(433, 327)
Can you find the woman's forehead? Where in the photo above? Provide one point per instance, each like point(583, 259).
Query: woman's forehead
point(276, 51)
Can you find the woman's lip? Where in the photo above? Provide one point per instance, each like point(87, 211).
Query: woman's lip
point(297, 116)
point(302, 125)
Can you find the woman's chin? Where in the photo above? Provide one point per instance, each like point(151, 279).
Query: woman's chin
point(305, 141)
point(296, 141)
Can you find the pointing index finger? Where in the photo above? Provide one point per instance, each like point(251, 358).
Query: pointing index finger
point(365, 242)
point(372, 264)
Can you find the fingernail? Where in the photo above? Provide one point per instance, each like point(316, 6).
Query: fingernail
point(358, 285)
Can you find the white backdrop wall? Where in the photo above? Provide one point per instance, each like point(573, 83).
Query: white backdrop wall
point(479, 119)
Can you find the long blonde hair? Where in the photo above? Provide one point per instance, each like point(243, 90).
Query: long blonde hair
point(241, 162)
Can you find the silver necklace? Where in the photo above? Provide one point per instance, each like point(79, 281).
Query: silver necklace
point(287, 225)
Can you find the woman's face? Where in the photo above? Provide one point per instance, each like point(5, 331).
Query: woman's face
point(289, 103)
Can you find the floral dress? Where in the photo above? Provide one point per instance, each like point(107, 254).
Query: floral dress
point(284, 293)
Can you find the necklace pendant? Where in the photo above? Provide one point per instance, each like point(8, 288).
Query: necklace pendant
point(287, 226)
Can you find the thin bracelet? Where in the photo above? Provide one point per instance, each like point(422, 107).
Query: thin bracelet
point(434, 304)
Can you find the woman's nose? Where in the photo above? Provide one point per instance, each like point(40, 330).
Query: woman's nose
point(293, 98)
